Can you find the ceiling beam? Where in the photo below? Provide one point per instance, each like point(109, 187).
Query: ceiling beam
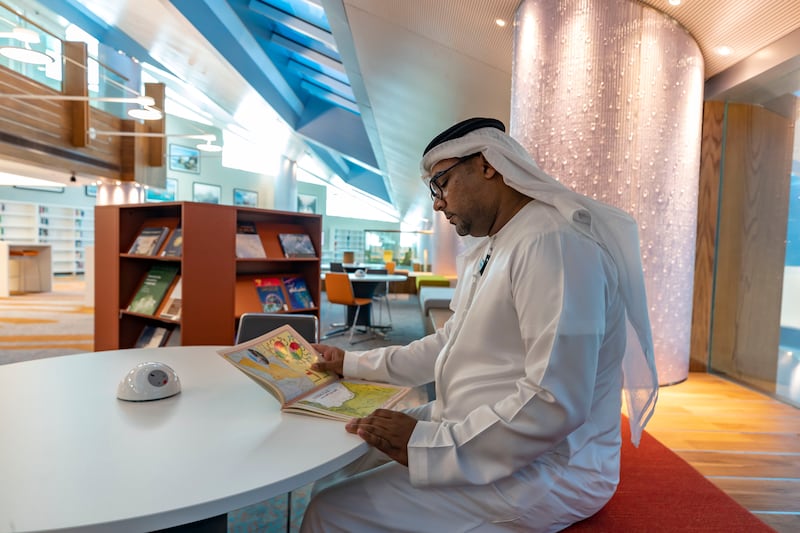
point(319, 92)
point(334, 85)
point(329, 64)
point(295, 24)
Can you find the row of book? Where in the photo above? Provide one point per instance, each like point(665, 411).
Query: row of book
point(159, 294)
point(161, 241)
point(151, 239)
point(283, 293)
point(249, 245)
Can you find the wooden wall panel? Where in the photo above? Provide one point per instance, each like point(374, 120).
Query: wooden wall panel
point(750, 249)
point(40, 131)
point(707, 199)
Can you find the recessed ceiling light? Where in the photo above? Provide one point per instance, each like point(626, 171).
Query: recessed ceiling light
point(674, 2)
point(500, 22)
point(723, 50)
point(145, 113)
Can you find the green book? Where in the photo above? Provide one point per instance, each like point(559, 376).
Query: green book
point(153, 288)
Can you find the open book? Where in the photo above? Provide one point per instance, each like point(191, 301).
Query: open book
point(280, 361)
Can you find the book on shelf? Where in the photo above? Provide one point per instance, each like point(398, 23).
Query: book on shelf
point(280, 361)
point(296, 245)
point(172, 303)
point(271, 295)
point(152, 337)
point(153, 288)
point(149, 240)
point(174, 338)
point(297, 290)
point(248, 241)
point(174, 246)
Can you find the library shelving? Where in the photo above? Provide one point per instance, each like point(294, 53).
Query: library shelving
point(68, 230)
point(217, 287)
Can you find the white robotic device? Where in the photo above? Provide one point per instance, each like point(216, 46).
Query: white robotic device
point(149, 381)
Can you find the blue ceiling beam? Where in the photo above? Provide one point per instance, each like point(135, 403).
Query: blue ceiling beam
point(223, 28)
point(337, 128)
point(320, 35)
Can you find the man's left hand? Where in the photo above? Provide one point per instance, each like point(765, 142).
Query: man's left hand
point(388, 431)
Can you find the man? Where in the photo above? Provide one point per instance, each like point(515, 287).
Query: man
point(524, 433)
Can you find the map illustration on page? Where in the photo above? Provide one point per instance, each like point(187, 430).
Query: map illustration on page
point(280, 361)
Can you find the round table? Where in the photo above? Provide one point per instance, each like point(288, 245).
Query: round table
point(74, 457)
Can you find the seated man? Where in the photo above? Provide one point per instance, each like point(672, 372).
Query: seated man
point(524, 433)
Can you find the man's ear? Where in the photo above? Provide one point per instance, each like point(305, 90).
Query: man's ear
point(489, 171)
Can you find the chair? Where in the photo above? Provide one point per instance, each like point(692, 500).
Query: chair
point(252, 325)
point(381, 295)
point(340, 291)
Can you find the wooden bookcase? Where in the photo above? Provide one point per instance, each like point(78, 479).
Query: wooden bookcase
point(217, 287)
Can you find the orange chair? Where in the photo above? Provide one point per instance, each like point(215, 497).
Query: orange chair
point(340, 291)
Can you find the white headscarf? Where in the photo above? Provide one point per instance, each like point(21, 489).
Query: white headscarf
point(611, 228)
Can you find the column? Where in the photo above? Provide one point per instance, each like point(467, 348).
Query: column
point(607, 96)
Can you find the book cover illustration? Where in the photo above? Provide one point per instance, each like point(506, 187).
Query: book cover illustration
point(152, 337)
point(149, 240)
point(248, 241)
point(174, 246)
point(299, 296)
point(296, 245)
point(152, 290)
point(172, 307)
point(270, 293)
point(280, 361)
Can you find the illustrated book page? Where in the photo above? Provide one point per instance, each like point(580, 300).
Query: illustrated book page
point(280, 361)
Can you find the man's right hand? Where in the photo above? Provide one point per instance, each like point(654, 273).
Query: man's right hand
point(332, 359)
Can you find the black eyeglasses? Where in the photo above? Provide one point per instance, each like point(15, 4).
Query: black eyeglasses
point(433, 184)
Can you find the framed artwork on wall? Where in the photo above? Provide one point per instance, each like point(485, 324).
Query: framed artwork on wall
point(168, 194)
point(206, 192)
point(184, 159)
point(306, 203)
point(245, 197)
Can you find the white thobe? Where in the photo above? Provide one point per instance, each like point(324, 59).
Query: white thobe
point(524, 433)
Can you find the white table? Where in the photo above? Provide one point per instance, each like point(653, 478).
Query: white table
point(75, 458)
point(36, 270)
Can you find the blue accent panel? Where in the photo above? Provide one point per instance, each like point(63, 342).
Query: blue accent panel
point(793, 223)
point(226, 32)
point(94, 26)
point(367, 181)
point(790, 338)
point(337, 128)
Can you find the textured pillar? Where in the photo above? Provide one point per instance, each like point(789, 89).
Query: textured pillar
point(607, 96)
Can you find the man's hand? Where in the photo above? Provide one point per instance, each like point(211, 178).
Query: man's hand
point(333, 359)
point(389, 431)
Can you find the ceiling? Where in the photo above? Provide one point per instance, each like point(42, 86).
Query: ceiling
point(366, 84)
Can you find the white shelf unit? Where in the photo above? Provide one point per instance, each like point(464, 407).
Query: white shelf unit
point(68, 230)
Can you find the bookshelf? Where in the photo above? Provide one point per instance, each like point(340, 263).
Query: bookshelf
point(217, 287)
point(67, 229)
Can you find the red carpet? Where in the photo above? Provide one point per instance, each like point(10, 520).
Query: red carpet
point(659, 491)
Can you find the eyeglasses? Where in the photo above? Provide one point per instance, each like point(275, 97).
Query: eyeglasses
point(433, 184)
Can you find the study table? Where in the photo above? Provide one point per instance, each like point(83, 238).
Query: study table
point(364, 286)
point(73, 457)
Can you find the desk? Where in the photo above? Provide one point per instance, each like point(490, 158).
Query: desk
point(43, 282)
point(75, 458)
point(364, 287)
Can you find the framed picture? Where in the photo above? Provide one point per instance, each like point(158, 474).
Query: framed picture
point(168, 194)
point(245, 198)
point(184, 158)
point(306, 203)
point(205, 192)
point(90, 190)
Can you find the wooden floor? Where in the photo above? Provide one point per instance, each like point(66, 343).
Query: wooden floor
point(746, 443)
